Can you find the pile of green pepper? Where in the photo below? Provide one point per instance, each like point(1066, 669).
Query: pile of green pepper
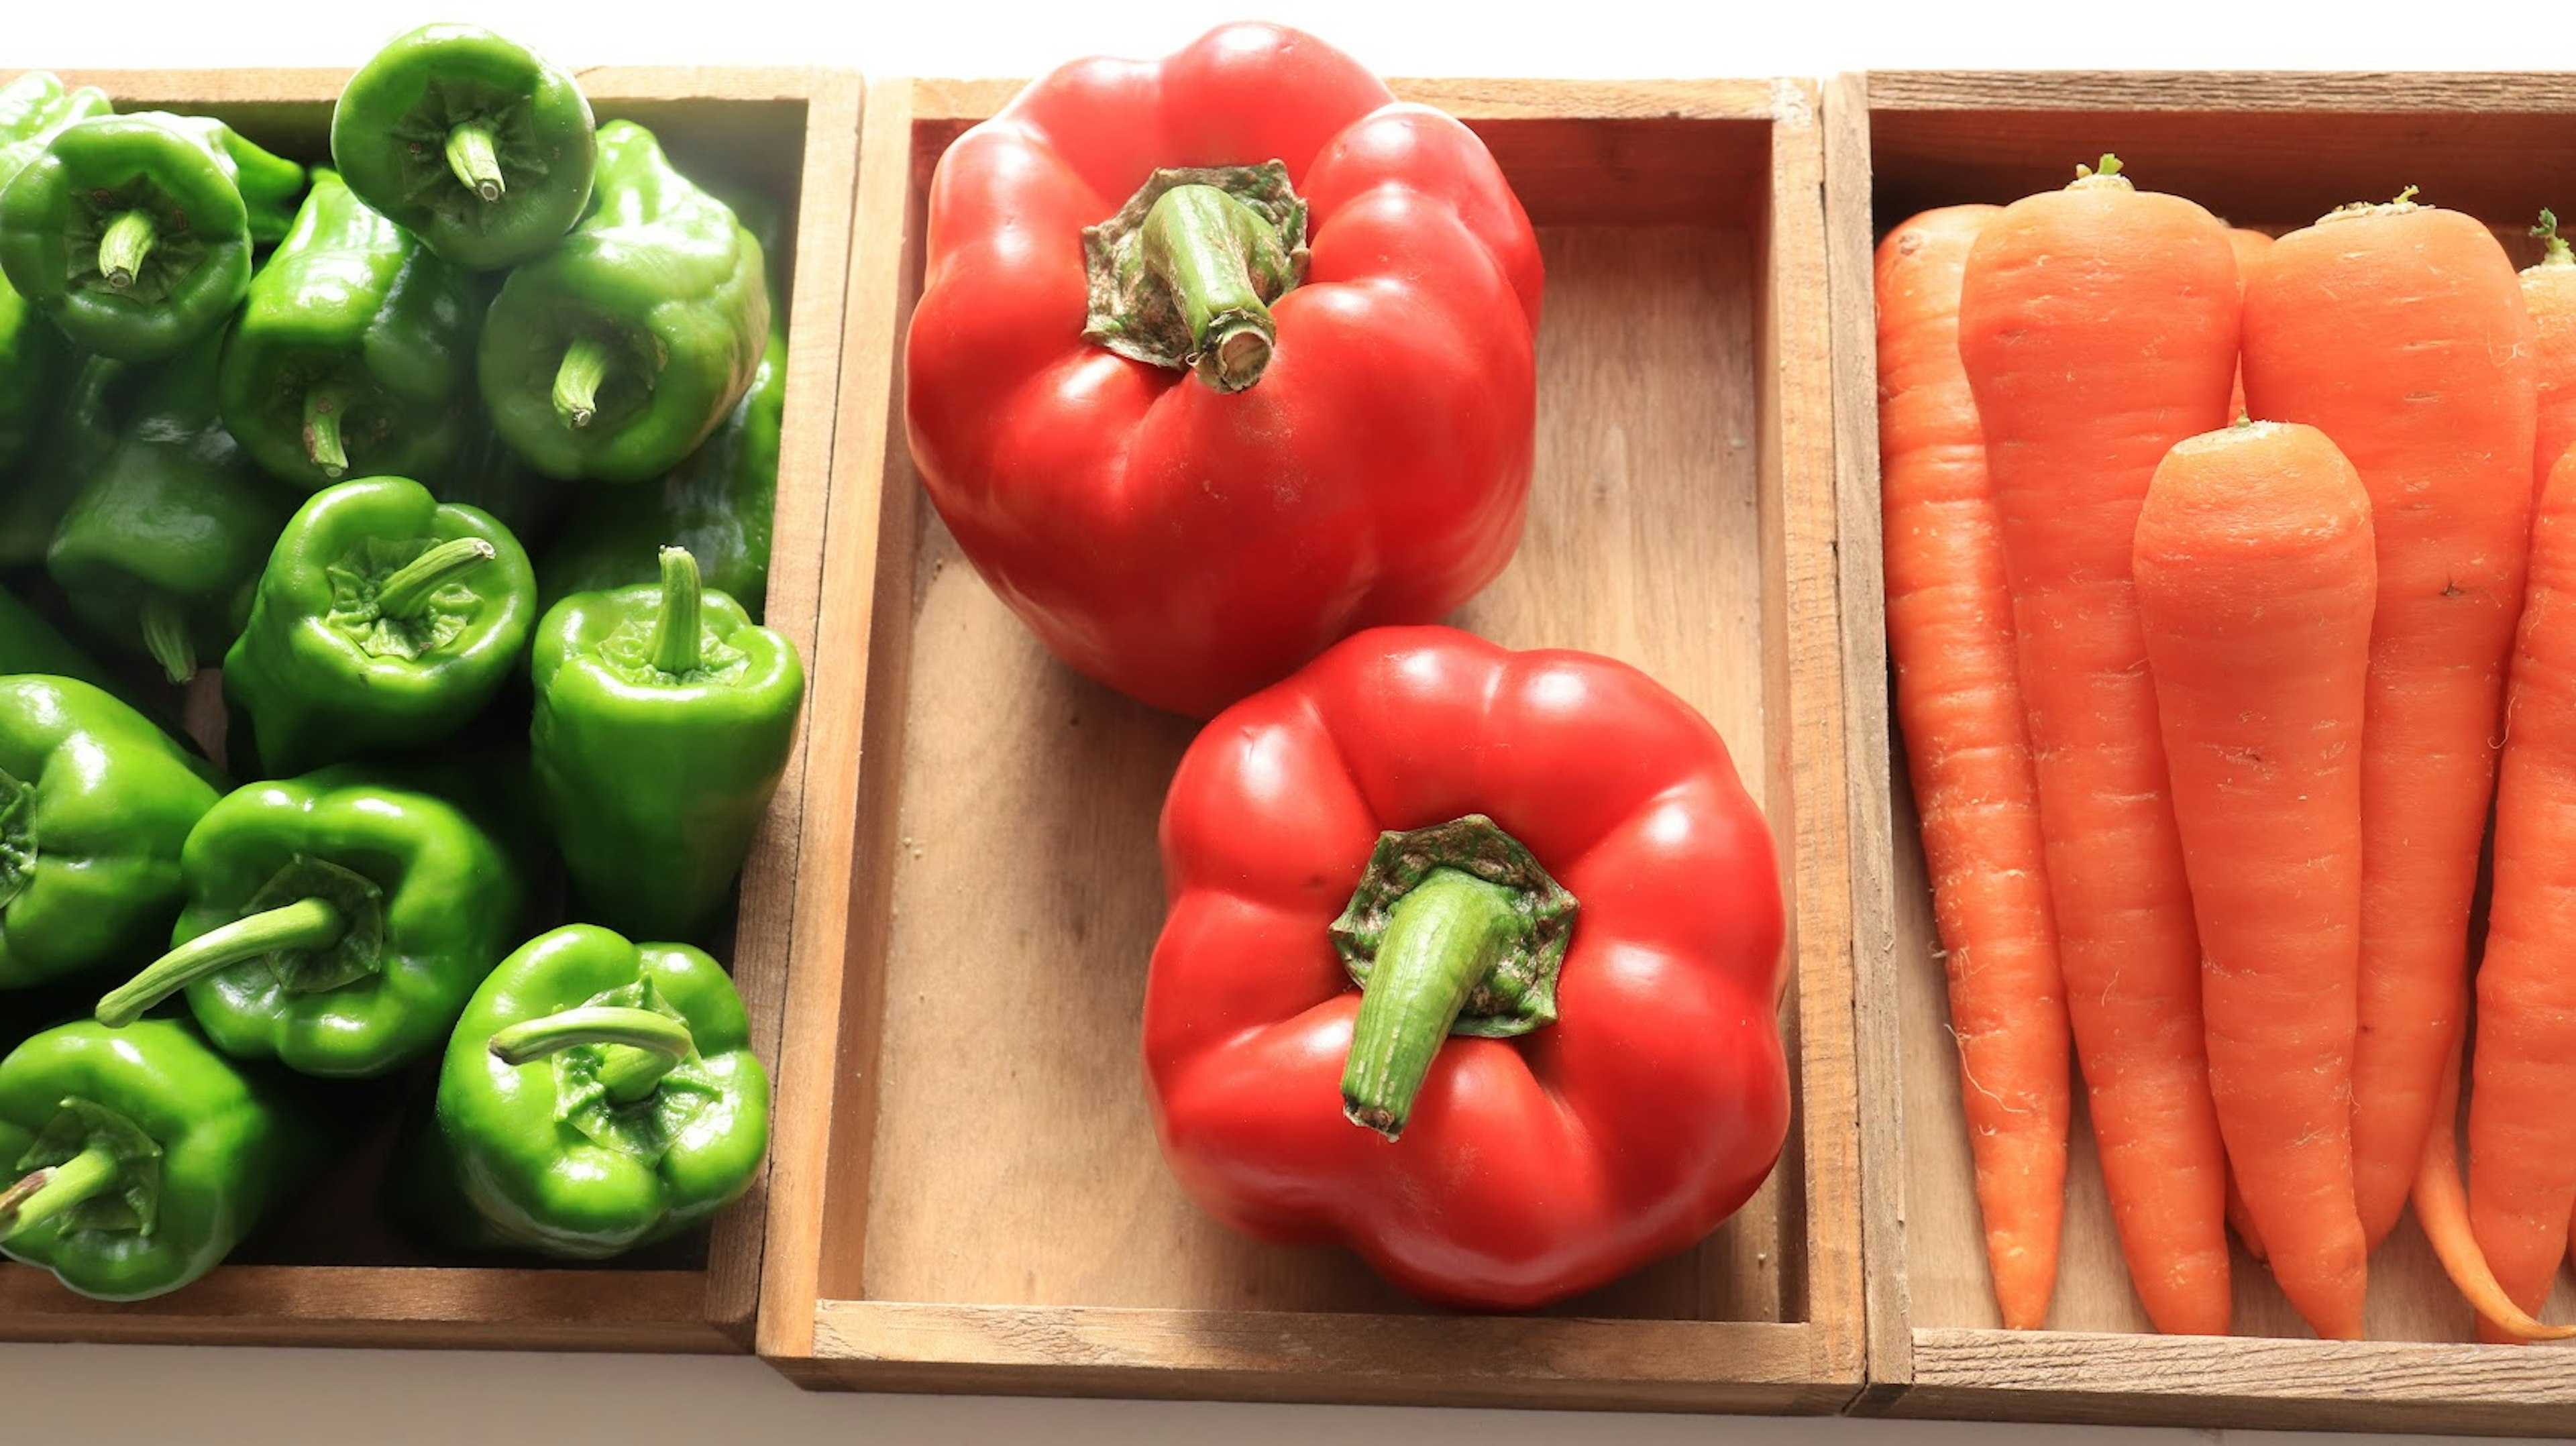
point(453, 452)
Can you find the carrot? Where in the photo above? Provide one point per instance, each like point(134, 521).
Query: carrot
point(2549, 292)
point(2255, 582)
point(2442, 1208)
point(2241, 1220)
point(2098, 328)
point(2399, 331)
point(1950, 633)
point(2250, 246)
point(2522, 1135)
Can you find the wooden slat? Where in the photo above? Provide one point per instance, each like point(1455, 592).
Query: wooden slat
point(2233, 92)
point(1254, 1355)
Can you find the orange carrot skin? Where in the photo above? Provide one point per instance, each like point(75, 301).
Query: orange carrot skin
point(1958, 695)
point(2400, 332)
point(2522, 1109)
point(2255, 580)
point(2098, 327)
point(2442, 1208)
point(2549, 293)
point(2250, 246)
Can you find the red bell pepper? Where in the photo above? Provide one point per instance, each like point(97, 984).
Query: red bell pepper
point(1222, 357)
point(1473, 963)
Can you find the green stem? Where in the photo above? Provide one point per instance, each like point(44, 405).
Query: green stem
point(640, 1045)
point(677, 649)
point(122, 249)
point(1441, 940)
point(43, 1194)
point(165, 636)
point(1199, 241)
point(2557, 252)
point(585, 366)
point(324, 409)
point(408, 591)
point(469, 155)
point(304, 924)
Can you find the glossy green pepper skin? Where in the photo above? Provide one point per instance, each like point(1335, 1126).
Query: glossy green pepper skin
point(470, 142)
point(140, 1157)
point(74, 442)
point(718, 504)
point(355, 353)
point(33, 354)
point(160, 551)
point(133, 233)
point(597, 1096)
point(96, 805)
point(613, 356)
point(336, 923)
point(663, 722)
point(385, 621)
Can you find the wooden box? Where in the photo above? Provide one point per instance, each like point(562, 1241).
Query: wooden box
point(327, 1271)
point(2272, 152)
point(967, 1194)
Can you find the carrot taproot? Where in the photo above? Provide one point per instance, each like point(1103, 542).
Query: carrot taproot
point(2442, 1208)
point(2522, 1135)
point(2255, 583)
point(2399, 331)
point(2250, 246)
point(2549, 292)
point(2098, 328)
point(1958, 695)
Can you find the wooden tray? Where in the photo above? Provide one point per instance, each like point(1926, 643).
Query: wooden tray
point(967, 1194)
point(328, 1272)
point(2273, 152)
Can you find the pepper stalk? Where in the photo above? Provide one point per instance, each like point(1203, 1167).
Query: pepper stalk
point(637, 1047)
point(311, 923)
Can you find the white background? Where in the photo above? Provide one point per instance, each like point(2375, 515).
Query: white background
point(96, 1396)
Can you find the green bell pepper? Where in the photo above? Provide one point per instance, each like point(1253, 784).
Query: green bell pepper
point(385, 621)
point(134, 232)
point(160, 551)
point(33, 355)
point(663, 722)
point(598, 1096)
point(72, 445)
point(95, 807)
point(613, 356)
point(141, 1157)
point(356, 351)
point(336, 923)
point(718, 504)
point(472, 143)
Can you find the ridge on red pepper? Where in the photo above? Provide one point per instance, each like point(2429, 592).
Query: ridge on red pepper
point(1568, 913)
point(1222, 357)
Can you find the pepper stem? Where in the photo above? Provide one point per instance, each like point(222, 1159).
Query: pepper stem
point(676, 646)
point(469, 155)
point(122, 249)
point(41, 1195)
point(585, 366)
point(323, 409)
point(408, 591)
point(165, 637)
point(641, 1046)
point(1199, 241)
point(1441, 940)
point(304, 924)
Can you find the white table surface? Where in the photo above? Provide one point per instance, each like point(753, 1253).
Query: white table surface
point(103, 1396)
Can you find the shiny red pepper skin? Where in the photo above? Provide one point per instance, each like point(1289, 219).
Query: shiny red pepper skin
point(1533, 1168)
point(1185, 545)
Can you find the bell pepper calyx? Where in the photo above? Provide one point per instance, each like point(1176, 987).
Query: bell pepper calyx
point(326, 409)
point(403, 598)
point(165, 636)
point(1185, 274)
point(91, 1169)
point(316, 926)
point(1454, 929)
point(586, 363)
point(471, 156)
point(124, 246)
point(614, 1058)
point(17, 837)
